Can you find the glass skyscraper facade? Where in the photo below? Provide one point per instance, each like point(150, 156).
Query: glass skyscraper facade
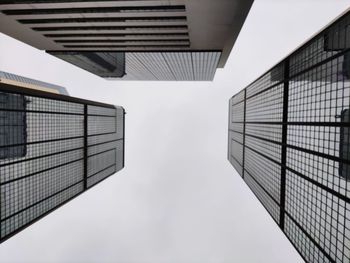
point(289, 141)
point(52, 148)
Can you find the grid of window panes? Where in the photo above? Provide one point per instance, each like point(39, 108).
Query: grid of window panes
point(105, 142)
point(235, 132)
point(294, 150)
point(45, 159)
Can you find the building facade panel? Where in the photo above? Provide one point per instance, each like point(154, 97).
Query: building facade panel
point(235, 132)
point(164, 66)
point(264, 171)
point(235, 157)
point(296, 135)
point(265, 106)
point(268, 202)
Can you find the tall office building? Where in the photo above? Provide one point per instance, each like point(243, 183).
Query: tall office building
point(52, 148)
point(131, 39)
point(289, 140)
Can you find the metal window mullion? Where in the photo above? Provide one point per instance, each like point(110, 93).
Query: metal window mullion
point(124, 113)
point(116, 132)
point(244, 122)
point(85, 145)
point(284, 143)
point(0, 213)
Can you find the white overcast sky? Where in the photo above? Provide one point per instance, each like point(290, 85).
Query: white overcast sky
point(178, 199)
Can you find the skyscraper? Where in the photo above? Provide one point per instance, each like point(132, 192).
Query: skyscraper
point(132, 39)
point(52, 148)
point(289, 140)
